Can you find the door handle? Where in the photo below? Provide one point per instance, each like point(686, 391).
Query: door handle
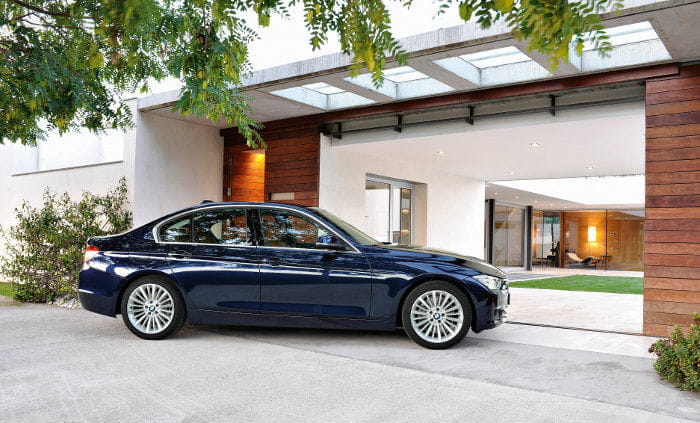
point(179, 254)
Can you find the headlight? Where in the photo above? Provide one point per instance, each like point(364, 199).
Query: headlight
point(491, 282)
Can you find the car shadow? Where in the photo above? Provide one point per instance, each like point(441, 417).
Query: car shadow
point(311, 336)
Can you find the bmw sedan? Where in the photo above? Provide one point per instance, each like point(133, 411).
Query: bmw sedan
point(264, 264)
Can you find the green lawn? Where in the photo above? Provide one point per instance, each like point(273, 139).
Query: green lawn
point(5, 289)
point(616, 284)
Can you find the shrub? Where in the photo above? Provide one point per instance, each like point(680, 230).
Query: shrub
point(679, 357)
point(44, 250)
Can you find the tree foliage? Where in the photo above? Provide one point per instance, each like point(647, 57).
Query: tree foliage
point(67, 64)
point(44, 249)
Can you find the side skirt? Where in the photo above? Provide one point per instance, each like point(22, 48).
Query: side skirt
point(210, 317)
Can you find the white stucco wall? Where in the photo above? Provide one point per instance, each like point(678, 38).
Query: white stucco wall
point(176, 164)
point(168, 164)
point(73, 164)
point(455, 204)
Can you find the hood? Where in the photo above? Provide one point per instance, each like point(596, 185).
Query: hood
point(474, 263)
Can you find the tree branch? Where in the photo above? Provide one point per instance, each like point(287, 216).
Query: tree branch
point(40, 10)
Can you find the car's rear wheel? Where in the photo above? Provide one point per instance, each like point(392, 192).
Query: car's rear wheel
point(152, 308)
point(436, 315)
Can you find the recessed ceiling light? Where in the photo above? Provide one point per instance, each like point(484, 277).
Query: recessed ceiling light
point(534, 144)
point(551, 204)
point(441, 152)
point(495, 193)
point(517, 196)
point(589, 167)
point(535, 201)
point(512, 172)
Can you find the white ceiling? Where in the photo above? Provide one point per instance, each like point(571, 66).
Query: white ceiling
point(557, 194)
point(610, 139)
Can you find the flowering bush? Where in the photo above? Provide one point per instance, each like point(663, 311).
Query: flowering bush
point(44, 250)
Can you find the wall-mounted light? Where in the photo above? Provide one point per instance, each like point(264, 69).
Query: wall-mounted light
point(591, 234)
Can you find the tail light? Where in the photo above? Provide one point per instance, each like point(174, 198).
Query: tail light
point(90, 252)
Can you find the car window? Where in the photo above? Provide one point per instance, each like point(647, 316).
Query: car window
point(221, 226)
point(283, 228)
point(176, 231)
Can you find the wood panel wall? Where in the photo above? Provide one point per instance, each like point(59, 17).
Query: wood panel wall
point(244, 174)
point(291, 163)
point(672, 227)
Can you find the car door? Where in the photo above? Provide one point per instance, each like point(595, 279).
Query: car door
point(213, 255)
point(297, 277)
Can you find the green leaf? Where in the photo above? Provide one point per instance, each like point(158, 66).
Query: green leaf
point(503, 5)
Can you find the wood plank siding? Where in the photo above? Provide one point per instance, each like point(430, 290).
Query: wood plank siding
point(290, 167)
point(672, 227)
point(244, 174)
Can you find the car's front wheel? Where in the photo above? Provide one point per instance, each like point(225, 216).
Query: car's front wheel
point(152, 308)
point(436, 315)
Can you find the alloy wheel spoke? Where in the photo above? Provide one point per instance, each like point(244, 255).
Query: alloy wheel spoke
point(150, 308)
point(436, 316)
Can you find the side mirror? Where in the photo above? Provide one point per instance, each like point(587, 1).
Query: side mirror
point(329, 242)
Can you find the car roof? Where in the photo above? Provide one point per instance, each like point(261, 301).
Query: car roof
point(208, 203)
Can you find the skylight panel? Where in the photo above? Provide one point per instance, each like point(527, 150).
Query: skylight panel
point(632, 44)
point(627, 34)
point(494, 67)
point(402, 82)
point(403, 74)
point(322, 96)
point(323, 88)
point(496, 57)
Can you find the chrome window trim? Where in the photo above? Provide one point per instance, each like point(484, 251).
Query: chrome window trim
point(156, 229)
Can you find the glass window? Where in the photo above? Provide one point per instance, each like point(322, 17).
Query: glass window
point(508, 230)
point(401, 222)
point(545, 238)
point(349, 230)
point(176, 231)
point(625, 240)
point(221, 226)
point(388, 210)
point(605, 239)
point(377, 206)
point(282, 228)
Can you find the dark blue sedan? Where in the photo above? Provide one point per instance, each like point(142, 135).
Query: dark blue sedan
point(263, 264)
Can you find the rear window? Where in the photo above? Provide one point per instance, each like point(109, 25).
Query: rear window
point(176, 231)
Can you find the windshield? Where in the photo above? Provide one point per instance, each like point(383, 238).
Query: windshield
point(349, 230)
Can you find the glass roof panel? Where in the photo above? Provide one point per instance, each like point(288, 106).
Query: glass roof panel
point(323, 88)
point(628, 34)
point(403, 74)
point(496, 57)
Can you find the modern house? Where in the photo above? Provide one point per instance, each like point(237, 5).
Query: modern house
point(417, 160)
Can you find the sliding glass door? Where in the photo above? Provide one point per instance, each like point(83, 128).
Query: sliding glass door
point(389, 210)
point(508, 236)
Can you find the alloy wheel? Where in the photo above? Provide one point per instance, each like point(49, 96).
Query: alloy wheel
point(150, 308)
point(437, 316)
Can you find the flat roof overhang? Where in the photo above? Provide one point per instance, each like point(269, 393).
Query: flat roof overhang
point(672, 21)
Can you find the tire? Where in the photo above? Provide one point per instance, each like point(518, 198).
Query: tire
point(421, 308)
point(152, 308)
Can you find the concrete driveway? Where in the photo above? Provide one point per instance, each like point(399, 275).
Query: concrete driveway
point(70, 365)
point(578, 309)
